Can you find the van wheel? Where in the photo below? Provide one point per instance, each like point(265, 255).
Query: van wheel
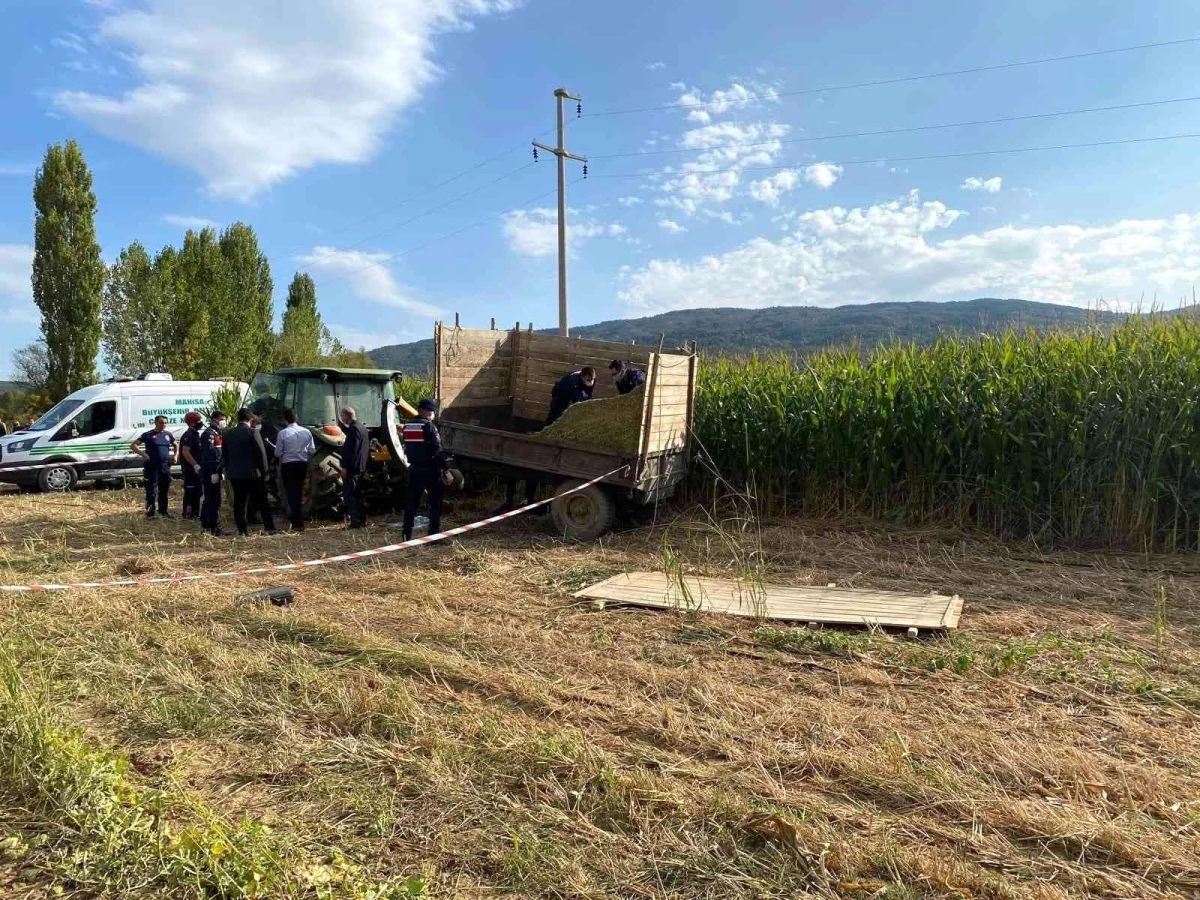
point(58, 479)
point(583, 515)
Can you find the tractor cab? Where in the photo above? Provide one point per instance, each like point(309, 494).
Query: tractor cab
point(318, 395)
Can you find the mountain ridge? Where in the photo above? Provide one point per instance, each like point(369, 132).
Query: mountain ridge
point(799, 329)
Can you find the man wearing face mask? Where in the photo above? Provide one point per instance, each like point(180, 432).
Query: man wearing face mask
point(354, 465)
point(189, 462)
point(574, 387)
point(626, 376)
point(212, 472)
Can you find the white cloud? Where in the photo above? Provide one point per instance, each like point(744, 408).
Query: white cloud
point(892, 251)
point(987, 185)
point(671, 227)
point(629, 201)
point(655, 66)
point(69, 41)
point(713, 177)
point(248, 97)
point(368, 276)
point(534, 232)
point(16, 268)
point(769, 190)
point(702, 107)
point(193, 223)
point(823, 175)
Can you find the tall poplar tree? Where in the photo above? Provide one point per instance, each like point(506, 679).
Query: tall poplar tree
point(68, 273)
point(300, 339)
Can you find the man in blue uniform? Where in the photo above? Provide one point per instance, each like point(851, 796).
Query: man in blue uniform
point(626, 376)
point(189, 462)
point(573, 387)
point(426, 468)
point(212, 471)
point(159, 455)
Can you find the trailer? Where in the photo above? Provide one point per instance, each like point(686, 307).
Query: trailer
point(493, 389)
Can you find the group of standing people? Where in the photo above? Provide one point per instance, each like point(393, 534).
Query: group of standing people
point(16, 426)
point(241, 455)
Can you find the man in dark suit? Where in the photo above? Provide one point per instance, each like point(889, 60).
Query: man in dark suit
point(355, 453)
point(245, 462)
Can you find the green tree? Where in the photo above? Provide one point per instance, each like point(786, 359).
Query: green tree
point(241, 325)
point(136, 323)
point(68, 274)
point(300, 339)
point(195, 280)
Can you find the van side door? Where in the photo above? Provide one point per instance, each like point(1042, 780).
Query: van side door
point(91, 436)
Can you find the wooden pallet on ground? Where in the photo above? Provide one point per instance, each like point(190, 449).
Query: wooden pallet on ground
point(826, 605)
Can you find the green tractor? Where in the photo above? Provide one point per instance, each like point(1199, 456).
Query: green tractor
point(317, 395)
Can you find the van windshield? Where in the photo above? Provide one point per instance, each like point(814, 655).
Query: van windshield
point(58, 414)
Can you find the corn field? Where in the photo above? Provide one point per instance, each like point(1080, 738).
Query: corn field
point(1084, 436)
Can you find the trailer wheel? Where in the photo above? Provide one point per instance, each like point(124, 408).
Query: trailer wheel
point(583, 515)
point(58, 479)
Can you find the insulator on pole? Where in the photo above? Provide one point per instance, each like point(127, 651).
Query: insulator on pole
point(578, 110)
point(585, 170)
point(535, 159)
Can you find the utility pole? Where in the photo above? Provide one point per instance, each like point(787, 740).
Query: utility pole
point(561, 152)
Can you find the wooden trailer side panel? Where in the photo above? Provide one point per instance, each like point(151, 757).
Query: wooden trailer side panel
point(474, 370)
point(670, 402)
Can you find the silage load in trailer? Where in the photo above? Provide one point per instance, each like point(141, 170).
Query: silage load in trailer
point(612, 424)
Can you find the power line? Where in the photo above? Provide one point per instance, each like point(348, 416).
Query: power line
point(523, 145)
point(911, 78)
point(905, 130)
point(394, 256)
point(896, 159)
point(442, 206)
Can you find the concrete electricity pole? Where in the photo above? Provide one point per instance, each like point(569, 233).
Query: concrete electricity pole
point(561, 152)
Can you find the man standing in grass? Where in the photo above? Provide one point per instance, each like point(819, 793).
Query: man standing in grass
point(212, 472)
point(245, 459)
point(160, 454)
point(427, 465)
point(189, 462)
point(355, 453)
point(294, 447)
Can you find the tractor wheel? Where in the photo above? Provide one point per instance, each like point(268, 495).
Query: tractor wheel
point(323, 486)
point(583, 515)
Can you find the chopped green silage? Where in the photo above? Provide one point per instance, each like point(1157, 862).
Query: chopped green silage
point(611, 425)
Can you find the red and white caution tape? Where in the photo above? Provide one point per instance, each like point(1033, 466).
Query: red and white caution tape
point(4, 470)
point(310, 563)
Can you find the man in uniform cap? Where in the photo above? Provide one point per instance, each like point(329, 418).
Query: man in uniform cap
point(427, 467)
point(189, 453)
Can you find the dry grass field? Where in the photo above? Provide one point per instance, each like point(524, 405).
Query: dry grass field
point(448, 723)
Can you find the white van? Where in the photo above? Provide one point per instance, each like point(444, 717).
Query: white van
point(89, 432)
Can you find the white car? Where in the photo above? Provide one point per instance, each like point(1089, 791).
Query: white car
point(86, 435)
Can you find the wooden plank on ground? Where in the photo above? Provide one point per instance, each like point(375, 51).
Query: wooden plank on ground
point(832, 606)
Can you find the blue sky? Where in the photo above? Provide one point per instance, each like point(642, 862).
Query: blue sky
point(314, 119)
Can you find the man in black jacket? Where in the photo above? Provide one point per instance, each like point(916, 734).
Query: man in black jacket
point(427, 466)
point(574, 387)
point(355, 452)
point(245, 461)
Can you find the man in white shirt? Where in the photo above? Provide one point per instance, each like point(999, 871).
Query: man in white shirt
point(294, 447)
